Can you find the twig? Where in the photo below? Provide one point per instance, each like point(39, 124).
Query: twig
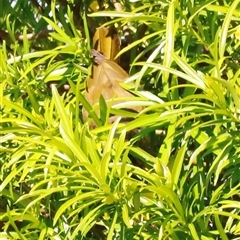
point(30, 36)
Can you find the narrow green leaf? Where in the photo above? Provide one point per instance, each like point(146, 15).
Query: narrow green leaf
point(61, 32)
point(225, 26)
point(178, 164)
point(169, 47)
point(125, 216)
point(110, 235)
point(220, 229)
point(193, 232)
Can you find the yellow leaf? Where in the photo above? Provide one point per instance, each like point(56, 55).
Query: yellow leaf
point(107, 41)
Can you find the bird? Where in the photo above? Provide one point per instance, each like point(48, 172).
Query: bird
point(105, 81)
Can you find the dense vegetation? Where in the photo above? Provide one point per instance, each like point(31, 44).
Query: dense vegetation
point(171, 171)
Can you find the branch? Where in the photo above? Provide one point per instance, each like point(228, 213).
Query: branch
point(30, 36)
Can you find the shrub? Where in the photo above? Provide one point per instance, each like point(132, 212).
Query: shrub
point(171, 172)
